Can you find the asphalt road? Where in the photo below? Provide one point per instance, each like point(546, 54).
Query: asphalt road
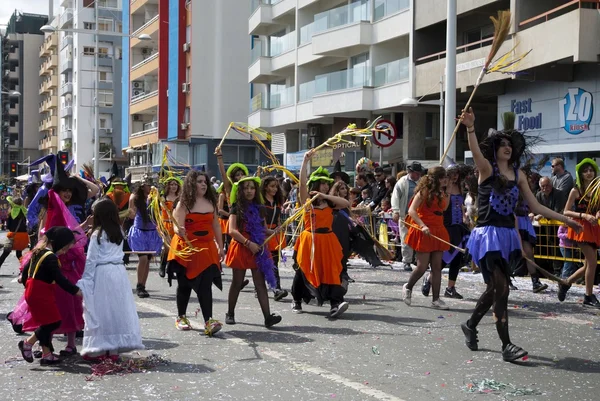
point(380, 349)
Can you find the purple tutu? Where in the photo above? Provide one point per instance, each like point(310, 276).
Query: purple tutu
point(526, 229)
point(459, 235)
point(492, 247)
point(144, 240)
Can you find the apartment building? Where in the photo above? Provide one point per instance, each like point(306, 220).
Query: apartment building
point(317, 66)
point(19, 133)
point(76, 22)
point(558, 86)
point(48, 108)
point(185, 85)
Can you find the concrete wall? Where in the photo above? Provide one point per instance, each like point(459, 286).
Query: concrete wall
point(429, 12)
point(220, 60)
point(30, 99)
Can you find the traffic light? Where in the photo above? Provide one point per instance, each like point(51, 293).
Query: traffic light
point(13, 169)
point(63, 157)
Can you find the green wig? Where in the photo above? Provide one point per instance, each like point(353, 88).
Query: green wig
point(578, 177)
point(320, 174)
point(233, 167)
point(234, 190)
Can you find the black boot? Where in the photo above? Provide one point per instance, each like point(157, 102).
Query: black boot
point(538, 286)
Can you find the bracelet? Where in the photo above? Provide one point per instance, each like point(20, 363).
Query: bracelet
point(246, 242)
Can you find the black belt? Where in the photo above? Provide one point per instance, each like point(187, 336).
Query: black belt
point(322, 230)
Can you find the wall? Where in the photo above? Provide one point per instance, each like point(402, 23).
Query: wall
point(429, 12)
point(30, 80)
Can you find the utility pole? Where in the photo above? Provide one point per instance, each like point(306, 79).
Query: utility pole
point(450, 103)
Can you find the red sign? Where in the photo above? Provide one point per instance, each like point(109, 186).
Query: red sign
point(385, 134)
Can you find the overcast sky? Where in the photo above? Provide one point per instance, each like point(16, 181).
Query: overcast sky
point(8, 7)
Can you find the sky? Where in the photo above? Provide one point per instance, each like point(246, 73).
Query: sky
point(8, 7)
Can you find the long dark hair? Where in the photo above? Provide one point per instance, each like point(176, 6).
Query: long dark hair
point(140, 203)
point(106, 219)
point(278, 198)
point(314, 187)
point(189, 193)
point(430, 184)
point(242, 203)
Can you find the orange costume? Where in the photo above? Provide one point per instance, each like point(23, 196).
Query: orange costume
point(590, 233)
point(319, 253)
point(224, 221)
point(239, 256)
point(433, 217)
point(169, 206)
point(200, 233)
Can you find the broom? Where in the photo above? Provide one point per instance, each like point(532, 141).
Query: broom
point(433, 236)
point(501, 28)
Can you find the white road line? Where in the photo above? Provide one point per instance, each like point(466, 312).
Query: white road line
point(288, 362)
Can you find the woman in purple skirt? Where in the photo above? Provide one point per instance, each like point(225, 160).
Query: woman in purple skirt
point(495, 243)
point(142, 236)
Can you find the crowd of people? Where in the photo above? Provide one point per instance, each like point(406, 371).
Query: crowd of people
point(82, 233)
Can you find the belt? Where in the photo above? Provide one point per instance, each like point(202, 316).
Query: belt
point(322, 230)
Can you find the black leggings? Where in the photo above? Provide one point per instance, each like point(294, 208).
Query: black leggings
point(300, 291)
point(7, 252)
point(454, 267)
point(44, 334)
point(496, 295)
point(275, 256)
point(202, 285)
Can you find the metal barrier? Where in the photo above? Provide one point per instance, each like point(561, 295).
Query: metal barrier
point(547, 245)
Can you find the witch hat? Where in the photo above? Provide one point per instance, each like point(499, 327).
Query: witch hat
point(114, 170)
point(62, 181)
point(337, 172)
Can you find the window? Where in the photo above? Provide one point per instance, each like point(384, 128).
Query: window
point(186, 115)
point(119, 27)
point(248, 155)
point(88, 51)
point(89, 25)
point(187, 74)
point(105, 98)
point(200, 154)
point(103, 52)
point(102, 122)
point(105, 76)
point(188, 34)
point(105, 24)
point(230, 155)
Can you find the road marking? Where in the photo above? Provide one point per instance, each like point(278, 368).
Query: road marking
point(288, 362)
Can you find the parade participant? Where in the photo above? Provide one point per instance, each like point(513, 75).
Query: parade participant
point(457, 231)
point(16, 238)
point(118, 191)
point(494, 243)
point(196, 223)
point(41, 271)
point(341, 225)
point(273, 197)
point(248, 231)
point(581, 205)
point(318, 251)
point(143, 237)
point(171, 196)
point(223, 212)
point(426, 211)
point(111, 320)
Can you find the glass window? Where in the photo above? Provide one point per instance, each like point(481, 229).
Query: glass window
point(105, 24)
point(200, 154)
point(188, 34)
point(248, 154)
point(89, 25)
point(230, 154)
point(186, 115)
point(88, 51)
point(105, 98)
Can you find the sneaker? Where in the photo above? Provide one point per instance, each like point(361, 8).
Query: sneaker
point(212, 327)
point(538, 286)
point(439, 304)
point(37, 354)
point(25, 349)
point(68, 351)
point(470, 336)
point(512, 286)
point(229, 318)
point(591, 301)
point(406, 294)
point(183, 324)
point(162, 270)
point(297, 307)
point(141, 291)
point(272, 320)
point(337, 311)
point(562, 291)
point(407, 267)
point(50, 360)
point(451, 293)
point(351, 280)
point(511, 353)
point(280, 294)
point(426, 287)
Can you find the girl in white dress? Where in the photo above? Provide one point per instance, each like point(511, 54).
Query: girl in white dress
point(111, 321)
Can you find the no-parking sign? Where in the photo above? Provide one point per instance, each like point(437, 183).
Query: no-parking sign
point(385, 133)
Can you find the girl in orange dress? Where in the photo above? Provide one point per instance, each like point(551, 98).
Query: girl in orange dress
point(197, 224)
point(248, 232)
point(427, 211)
point(172, 191)
point(588, 239)
point(318, 250)
point(273, 196)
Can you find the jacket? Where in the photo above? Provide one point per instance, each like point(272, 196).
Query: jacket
point(400, 196)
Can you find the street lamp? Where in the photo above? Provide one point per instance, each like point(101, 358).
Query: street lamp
point(411, 102)
point(11, 93)
point(96, 32)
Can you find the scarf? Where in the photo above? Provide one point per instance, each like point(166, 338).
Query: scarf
point(256, 228)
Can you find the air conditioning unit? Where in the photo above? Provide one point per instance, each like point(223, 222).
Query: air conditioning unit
point(185, 126)
point(146, 51)
point(185, 87)
point(186, 47)
point(138, 84)
point(314, 131)
point(109, 130)
point(137, 92)
point(154, 124)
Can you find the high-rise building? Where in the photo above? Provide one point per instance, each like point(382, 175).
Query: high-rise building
point(20, 69)
point(81, 77)
point(187, 84)
point(48, 126)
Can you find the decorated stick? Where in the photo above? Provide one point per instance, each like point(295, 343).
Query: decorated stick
point(501, 28)
point(225, 135)
point(546, 273)
point(433, 236)
point(291, 218)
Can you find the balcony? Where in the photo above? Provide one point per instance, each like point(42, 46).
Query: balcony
point(144, 137)
point(66, 3)
point(149, 28)
point(14, 55)
point(137, 5)
point(49, 44)
point(277, 58)
point(267, 15)
point(66, 111)
point(50, 64)
point(66, 41)
point(275, 110)
point(49, 142)
point(66, 19)
point(148, 66)
point(11, 75)
point(49, 123)
point(66, 88)
point(66, 65)
point(145, 104)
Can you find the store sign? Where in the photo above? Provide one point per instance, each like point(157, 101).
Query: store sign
point(293, 161)
point(575, 111)
point(525, 122)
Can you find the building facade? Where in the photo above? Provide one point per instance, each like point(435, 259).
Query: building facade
point(48, 125)
point(80, 76)
point(186, 85)
point(20, 69)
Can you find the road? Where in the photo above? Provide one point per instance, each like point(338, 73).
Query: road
point(380, 349)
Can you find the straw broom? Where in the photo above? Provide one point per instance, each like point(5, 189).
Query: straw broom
point(433, 236)
point(501, 28)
